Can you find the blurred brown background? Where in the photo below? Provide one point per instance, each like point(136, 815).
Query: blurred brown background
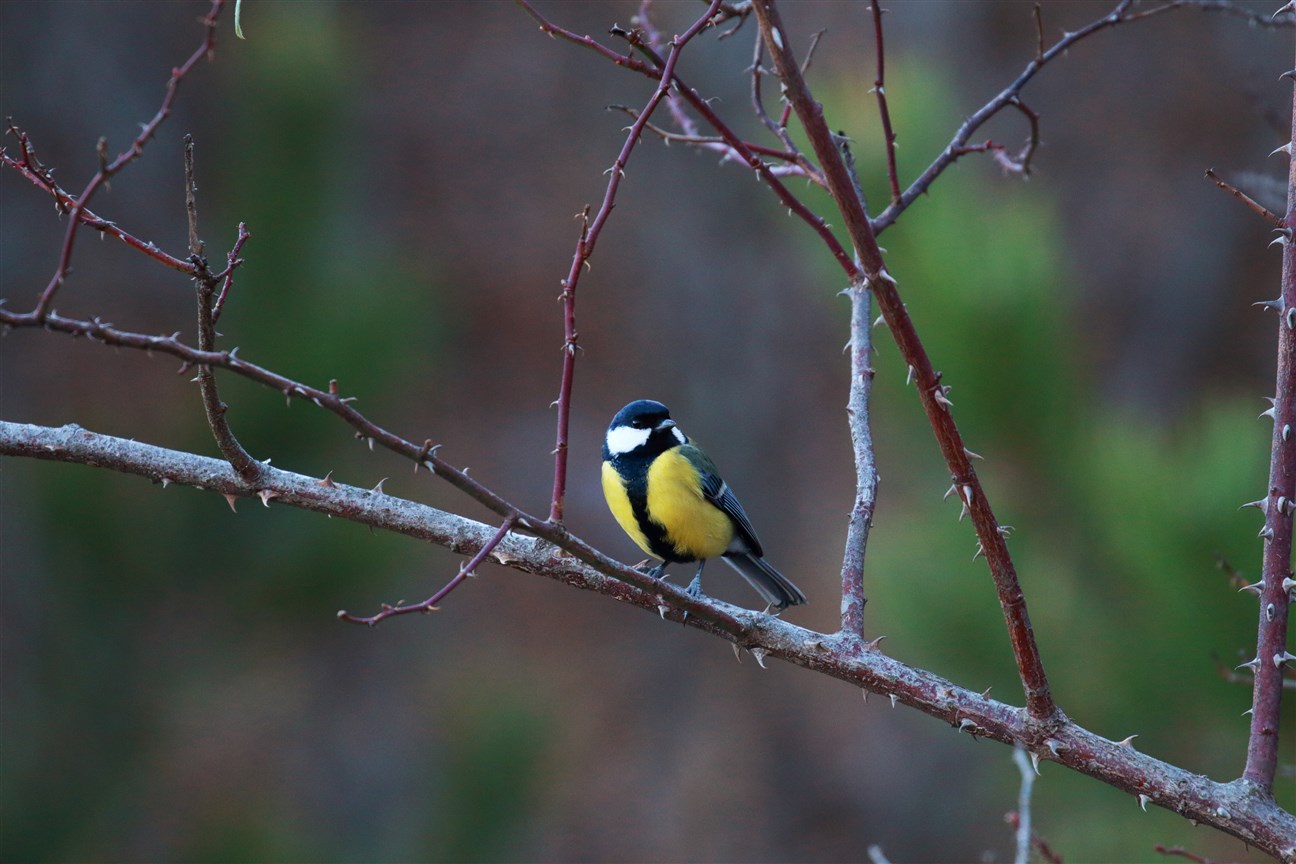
point(174, 684)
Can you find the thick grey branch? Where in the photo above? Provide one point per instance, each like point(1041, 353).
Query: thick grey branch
point(1239, 808)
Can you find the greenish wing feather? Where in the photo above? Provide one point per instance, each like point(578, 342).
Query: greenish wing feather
point(719, 494)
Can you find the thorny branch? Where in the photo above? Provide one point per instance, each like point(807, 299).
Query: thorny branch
point(933, 393)
point(205, 287)
point(30, 167)
point(1276, 573)
point(1231, 807)
point(698, 104)
point(108, 169)
point(879, 88)
point(1011, 96)
point(866, 475)
point(718, 144)
point(590, 231)
point(467, 571)
point(1181, 852)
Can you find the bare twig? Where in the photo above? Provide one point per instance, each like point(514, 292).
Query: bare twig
point(703, 108)
point(879, 88)
point(244, 465)
point(108, 169)
point(1181, 852)
point(1254, 206)
point(698, 104)
point(1284, 17)
point(191, 199)
point(65, 204)
point(712, 142)
point(226, 276)
point(958, 145)
point(590, 231)
point(1030, 667)
point(1271, 636)
point(758, 102)
point(429, 605)
point(653, 37)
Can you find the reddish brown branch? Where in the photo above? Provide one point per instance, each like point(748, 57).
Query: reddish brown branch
point(714, 141)
point(1181, 852)
point(108, 169)
point(958, 145)
point(1009, 96)
point(1251, 204)
point(794, 205)
point(191, 200)
point(590, 231)
point(233, 262)
point(466, 572)
point(758, 101)
point(879, 88)
point(1276, 573)
point(65, 203)
point(933, 393)
point(249, 469)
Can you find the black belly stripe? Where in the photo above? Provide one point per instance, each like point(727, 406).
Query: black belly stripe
point(634, 473)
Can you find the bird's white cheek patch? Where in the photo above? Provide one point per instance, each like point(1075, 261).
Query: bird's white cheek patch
point(679, 436)
point(623, 439)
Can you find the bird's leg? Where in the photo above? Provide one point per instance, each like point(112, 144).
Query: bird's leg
point(658, 572)
point(695, 587)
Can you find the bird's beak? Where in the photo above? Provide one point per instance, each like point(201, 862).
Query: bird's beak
point(664, 425)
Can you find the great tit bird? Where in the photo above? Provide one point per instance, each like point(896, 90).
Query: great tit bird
point(665, 493)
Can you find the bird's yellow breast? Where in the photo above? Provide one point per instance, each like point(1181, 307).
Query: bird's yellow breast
point(619, 503)
point(694, 526)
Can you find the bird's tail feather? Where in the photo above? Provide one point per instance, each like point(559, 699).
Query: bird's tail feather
point(776, 588)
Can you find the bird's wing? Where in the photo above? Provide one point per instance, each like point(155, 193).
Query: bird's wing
point(717, 491)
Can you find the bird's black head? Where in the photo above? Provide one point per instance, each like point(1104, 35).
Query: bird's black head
point(643, 427)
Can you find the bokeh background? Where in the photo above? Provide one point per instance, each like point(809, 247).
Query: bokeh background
point(175, 686)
